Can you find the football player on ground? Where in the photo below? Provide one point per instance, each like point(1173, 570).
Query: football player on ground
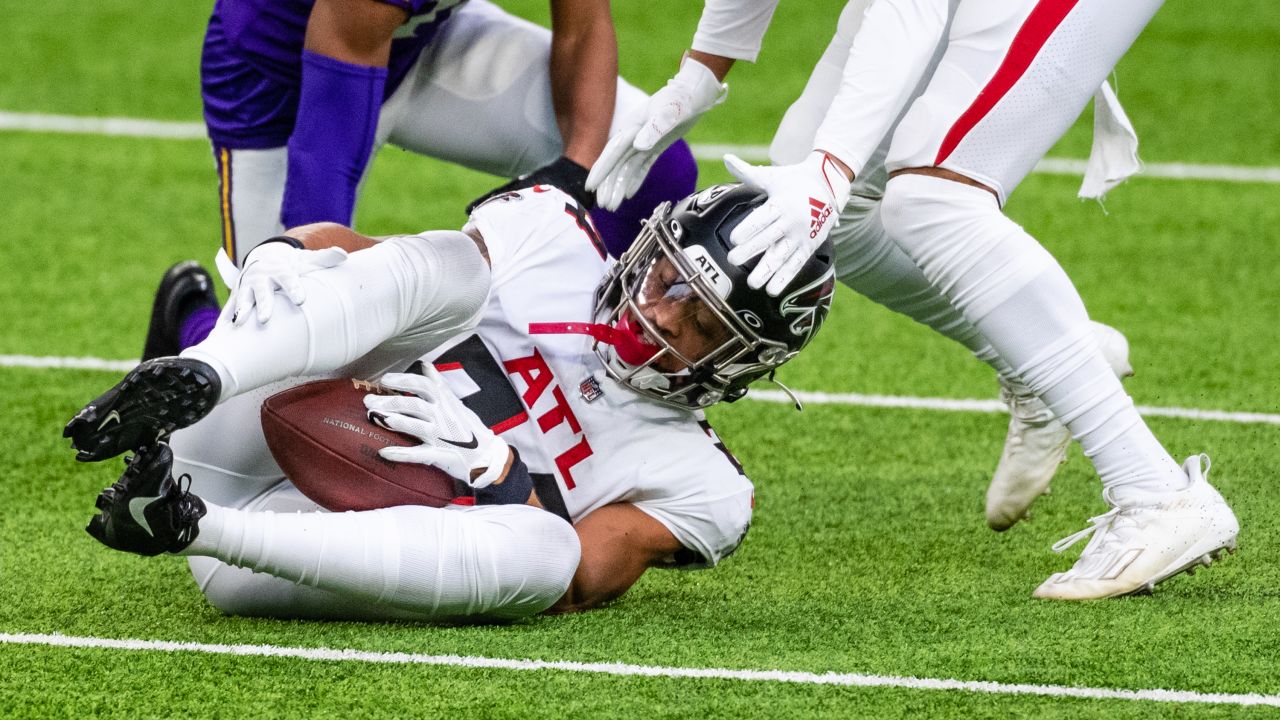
point(969, 95)
point(867, 260)
point(581, 378)
point(299, 95)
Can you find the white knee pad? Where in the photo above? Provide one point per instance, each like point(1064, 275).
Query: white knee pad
point(868, 261)
point(964, 245)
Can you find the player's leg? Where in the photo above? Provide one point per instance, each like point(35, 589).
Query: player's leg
point(384, 304)
point(480, 96)
point(986, 117)
point(183, 312)
point(240, 591)
point(250, 191)
point(227, 459)
point(250, 188)
point(868, 261)
point(493, 561)
point(248, 116)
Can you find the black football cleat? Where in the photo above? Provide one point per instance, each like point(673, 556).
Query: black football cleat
point(146, 512)
point(154, 399)
point(185, 287)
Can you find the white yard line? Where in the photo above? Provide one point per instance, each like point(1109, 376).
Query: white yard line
point(628, 670)
point(1057, 166)
point(170, 130)
point(117, 126)
point(770, 396)
point(69, 363)
point(995, 406)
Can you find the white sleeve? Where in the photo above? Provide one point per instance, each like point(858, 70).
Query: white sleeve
point(886, 61)
point(695, 488)
point(733, 28)
point(517, 226)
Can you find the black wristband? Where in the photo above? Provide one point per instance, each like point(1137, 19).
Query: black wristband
point(292, 241)
point(284, 239)
point(514, 489)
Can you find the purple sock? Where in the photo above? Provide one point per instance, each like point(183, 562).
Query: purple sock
point(674, 175)
point(197, 326)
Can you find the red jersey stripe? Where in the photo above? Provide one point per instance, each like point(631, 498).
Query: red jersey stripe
point(1045, 17)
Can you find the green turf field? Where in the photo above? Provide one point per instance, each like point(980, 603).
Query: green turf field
point(868, 554)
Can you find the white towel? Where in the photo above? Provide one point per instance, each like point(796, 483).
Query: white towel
point(1114, 155)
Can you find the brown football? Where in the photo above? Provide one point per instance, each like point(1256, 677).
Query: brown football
point(327, 446)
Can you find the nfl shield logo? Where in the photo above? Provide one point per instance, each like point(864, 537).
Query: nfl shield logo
point(590, 389)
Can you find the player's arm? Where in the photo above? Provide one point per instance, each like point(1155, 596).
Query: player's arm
point(619, 542)
point(886, 62)
point(584, 75)
point(887, 59)
point(584, 84)
point(318, 236)
point(344, 74)
point(729, 30)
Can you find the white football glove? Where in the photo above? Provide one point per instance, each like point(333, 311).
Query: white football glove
point(650, 129)
point(804, 203)
point(275, 266)
point(453, 438)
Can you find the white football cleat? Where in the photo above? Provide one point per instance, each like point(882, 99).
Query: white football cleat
point(1135, 548)
point(1036, 443)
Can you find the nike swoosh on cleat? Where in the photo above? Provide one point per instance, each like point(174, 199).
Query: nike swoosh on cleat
point(113, 415)
point(469, 445)
point(138, 507)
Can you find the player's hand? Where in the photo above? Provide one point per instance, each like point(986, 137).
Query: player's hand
point(564, 173)
point(650, 129)
point(453, 438)
point(804, 203)
point(272, 267)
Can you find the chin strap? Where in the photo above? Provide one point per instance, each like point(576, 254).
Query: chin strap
point(795, 400)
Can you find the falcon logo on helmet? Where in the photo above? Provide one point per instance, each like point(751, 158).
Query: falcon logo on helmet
point(809, 305)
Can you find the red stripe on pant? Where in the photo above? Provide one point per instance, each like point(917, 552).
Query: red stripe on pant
point(1044, 19)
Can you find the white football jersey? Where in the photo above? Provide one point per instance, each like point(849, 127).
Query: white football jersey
point(587, 440)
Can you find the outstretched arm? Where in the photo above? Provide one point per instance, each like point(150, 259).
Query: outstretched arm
point(729, 30)
point(584, 75)
point(886, 61)
point(584, 84)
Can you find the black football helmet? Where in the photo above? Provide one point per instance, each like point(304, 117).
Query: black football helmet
point(754, 333)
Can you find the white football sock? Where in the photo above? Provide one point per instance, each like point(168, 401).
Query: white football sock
point(382, 305)
point(1020, 299)
point(495, 561)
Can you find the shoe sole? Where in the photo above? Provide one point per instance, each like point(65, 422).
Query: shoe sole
point(153, 400)
point(1193, 560)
